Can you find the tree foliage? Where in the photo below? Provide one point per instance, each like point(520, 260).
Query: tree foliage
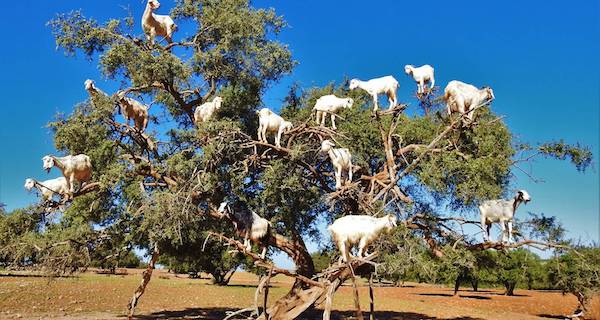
point(159, 190)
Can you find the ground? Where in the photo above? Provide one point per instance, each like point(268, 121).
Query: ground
point(96, 296)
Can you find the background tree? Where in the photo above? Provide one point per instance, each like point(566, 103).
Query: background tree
point(577, 272)
point(512, 268)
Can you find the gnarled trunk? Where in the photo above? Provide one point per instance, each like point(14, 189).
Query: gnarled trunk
point(301, 298)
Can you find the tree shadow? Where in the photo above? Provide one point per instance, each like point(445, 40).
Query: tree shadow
point(239, 285)
point(494, 293)
point(552, 316)
point(19, 275)
point(514, 295)
point(220, 313)
point(194, 313)
point(449, 295)
point(435, 294)
point(475, 297)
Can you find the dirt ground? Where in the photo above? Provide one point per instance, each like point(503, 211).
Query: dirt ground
point(95, 296)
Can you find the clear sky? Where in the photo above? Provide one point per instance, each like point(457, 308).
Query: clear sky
point(540, 57)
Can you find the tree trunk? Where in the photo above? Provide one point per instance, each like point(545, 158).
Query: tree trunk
point(302, 297)
point(145, 280)
point(457, 284)
point(584, 301)
point(474, 283)
point(303, 260)
point(222, 278)
point(510, 287)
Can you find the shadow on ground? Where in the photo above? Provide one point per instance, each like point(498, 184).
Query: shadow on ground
point(23, 275)
point(449, 295)
point(551, 316)
point(480, 292)
point(435, 294)
point(220, 313)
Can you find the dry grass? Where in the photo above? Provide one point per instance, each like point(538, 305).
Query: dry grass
point(95, 296)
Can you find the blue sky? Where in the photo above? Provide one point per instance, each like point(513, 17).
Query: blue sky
point(540, 57)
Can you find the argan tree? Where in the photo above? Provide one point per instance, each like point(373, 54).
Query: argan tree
point(160, 190)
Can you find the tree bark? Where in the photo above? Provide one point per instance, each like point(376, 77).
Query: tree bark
point(474, 283)
point(300, 299)
point(457, 284)
point(145, 280)
point(510, 288)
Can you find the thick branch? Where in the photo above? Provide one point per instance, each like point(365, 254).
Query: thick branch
point(265, 264)
point(296, 252)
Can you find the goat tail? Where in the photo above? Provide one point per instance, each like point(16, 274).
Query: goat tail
point(174, 27)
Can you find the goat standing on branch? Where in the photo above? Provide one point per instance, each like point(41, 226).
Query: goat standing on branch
point(341, 159)
point(249, 225)
point(133, 109)
point(385, 85)
point(204, 112)
point(330, 104)
point(49, 188)
point(156, 24)
point(462, 98)
point(271, 122)
point(74, 168)
point(359, 230)
point(91, 88)
point(503, 212)
point(422, 75)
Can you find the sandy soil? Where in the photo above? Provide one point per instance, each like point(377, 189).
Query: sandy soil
point(94, 296)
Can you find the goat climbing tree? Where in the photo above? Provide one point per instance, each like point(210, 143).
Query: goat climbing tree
point(160, 190)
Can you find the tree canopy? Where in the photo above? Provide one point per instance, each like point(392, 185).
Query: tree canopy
point(159, 190)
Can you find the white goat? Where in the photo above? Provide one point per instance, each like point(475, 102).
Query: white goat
point(330, 104)
point(359, 230)
point(501, 211)
point(204, 112)
point(249, 225)
point(463, 98)
point(49, 188)
point(269, 121)
point(384, 85)
point(133, 109)
point(422, 75)
point(91, 88)
point(156, 24)
point(341, 159)
point(74, 168)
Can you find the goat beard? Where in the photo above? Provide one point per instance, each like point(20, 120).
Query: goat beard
point(48, 170)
